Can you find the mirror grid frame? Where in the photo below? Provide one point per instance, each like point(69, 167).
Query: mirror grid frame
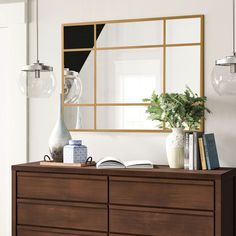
point(164, 46)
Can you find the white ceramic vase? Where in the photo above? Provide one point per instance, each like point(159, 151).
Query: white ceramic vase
point(175, 148)
point(59, 137)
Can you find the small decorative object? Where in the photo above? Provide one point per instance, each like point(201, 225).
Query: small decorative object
point(60, 136)
point(177, 111)
point(48, 161)
point(75, 152)
point(175, 148)
point(224, 72)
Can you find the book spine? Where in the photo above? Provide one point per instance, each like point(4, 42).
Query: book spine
point(191, 164)
point(196, 155)
point(211, 151)
point(202, 154)
point(207, 153)
point(186, 152)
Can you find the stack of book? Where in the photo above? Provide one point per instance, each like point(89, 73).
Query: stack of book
point(200, 152)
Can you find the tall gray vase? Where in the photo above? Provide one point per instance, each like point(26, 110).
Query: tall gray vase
point(59, 137)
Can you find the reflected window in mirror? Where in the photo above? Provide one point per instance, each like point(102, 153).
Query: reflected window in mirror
point(128, 75)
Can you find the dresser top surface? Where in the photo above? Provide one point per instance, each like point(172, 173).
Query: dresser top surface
point(158, 171)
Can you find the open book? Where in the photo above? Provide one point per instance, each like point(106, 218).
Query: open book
point(112, 162)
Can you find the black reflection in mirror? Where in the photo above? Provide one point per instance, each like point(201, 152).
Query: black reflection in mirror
point(79, 36)
point(75, 60)
point(99, 29)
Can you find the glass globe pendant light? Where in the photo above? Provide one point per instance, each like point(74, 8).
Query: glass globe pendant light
point(224, 72)
point(37, 80)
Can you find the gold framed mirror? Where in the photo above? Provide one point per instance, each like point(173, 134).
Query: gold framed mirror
point(115, 64)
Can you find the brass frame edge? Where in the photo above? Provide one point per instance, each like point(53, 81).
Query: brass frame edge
point(133, 20)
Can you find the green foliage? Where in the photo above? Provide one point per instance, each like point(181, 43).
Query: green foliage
point(177, 109)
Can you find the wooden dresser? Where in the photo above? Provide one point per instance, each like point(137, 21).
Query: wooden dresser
point(65, 201)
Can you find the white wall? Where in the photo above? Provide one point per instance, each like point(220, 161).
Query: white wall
point(13, 121)
point(53, 13)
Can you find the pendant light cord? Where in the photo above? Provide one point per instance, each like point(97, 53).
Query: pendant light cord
point(37, 30)
point(234, 28)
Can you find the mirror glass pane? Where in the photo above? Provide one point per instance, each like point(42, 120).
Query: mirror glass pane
point(79, 117)
point(124, 117)
point(83, 63)
point(130, 34)
point(128, 76)
point(79, 36)
point(183, 31)
point(183, 68)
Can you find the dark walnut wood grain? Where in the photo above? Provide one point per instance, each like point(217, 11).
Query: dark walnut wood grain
point(60, 201)
point(160, 172)
point(40, 231)
point(171, 193)
point(62, 215)
point(84, 188)
point(150, 221)
point(14, 203)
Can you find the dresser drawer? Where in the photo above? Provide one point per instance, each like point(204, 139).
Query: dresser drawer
point(40, 231)
point(84, 188)
point(161, 222)
point(185, 194)
point(79, 216)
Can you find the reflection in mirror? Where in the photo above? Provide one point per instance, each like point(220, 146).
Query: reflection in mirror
point(130, 34)
point(78, 36)
point(119, 63)
point(124, 117)
point(183, 31)
point(81, 62)
point(183, 68)
point(77, 117)
point(72, 86)
point(128, 76)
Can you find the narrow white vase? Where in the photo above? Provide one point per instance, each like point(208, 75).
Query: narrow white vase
point(59, 137)
point(175, 148)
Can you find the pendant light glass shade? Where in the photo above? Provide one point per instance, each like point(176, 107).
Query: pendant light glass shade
point(37, 80)
point(224, 72)
point(224, 76)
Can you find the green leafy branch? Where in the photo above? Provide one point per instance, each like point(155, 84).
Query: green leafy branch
point(177, 110)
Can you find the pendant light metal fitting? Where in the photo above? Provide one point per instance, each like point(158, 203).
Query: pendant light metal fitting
point(230, 60)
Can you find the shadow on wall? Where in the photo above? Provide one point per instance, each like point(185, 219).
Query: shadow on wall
point(223, 114)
